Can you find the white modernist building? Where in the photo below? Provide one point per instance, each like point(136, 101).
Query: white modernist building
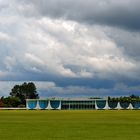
point(78, 104)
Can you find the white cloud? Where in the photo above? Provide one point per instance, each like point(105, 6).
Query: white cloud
point(54, 46)
point(58, 46)
point(10, 62)
point(5, 37)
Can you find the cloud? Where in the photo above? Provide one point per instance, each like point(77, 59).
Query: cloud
point(4, 37)
point(128, 41)
point(123, 14)
point(66, 48)
point(50, 89)
point(92, 49)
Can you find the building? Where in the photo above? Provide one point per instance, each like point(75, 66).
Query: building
point(78, 104)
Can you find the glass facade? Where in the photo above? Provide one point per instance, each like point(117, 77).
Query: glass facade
point(32, 104)
point(78, 105)
point(136, 105)
point(43, 104)
point(101, 104)
point(55, 104)
point(124, 105)
point(112, 104)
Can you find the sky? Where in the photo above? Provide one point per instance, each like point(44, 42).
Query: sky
point(71, 48)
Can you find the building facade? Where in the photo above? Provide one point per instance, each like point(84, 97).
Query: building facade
point(78, 104)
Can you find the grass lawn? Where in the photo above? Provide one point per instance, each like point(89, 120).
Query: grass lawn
point(70, 125)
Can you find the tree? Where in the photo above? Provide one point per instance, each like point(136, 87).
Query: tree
point(134, 96)
point(11, 101)
point(24, 91)
point(1, 102)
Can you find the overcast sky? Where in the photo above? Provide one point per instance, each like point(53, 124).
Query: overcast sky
point(71, 48)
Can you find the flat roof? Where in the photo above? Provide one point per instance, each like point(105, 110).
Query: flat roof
point(69, 99)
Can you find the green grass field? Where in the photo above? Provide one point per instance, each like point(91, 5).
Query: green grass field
point(70, 125)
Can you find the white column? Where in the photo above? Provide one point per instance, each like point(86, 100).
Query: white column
point(118, 106)
point(27, 107)
point(130, 106)
point(106, 106)
point(96, 107)
point(49, 105)
point(37, 105)
point(59, 108)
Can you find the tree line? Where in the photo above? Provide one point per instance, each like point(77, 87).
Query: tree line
point(129, 99)
point(18, 95)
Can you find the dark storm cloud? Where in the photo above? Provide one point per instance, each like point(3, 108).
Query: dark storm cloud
point(128, 41)
point(107, 12)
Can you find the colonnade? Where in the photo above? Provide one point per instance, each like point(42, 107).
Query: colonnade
point(118, 106)
point(96, 104)
point(43, 104)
